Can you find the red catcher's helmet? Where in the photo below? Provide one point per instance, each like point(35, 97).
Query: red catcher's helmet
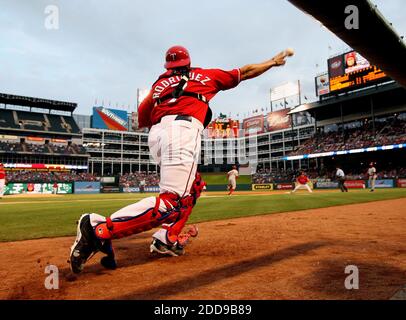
point(177, 56)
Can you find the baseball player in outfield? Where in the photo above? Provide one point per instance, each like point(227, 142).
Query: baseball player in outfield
point(2, 180)
point(232, 176)
point(176, 111)
point(302, 182)
point(372, 176)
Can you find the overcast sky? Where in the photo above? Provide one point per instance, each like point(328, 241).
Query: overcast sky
point(106, 49)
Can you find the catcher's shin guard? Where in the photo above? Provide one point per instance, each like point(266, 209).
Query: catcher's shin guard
point(151, 218)
point(173, 231)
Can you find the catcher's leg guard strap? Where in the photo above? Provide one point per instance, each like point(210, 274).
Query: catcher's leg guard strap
point(176, 228)
point(137, 222)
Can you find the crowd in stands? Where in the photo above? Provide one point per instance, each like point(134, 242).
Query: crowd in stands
point(383, 174)
point(266, 176)
point(51, 176)
point(127, 180)
point(386, 133)
point(134, 179)
point(10, 147)
point(37, 148)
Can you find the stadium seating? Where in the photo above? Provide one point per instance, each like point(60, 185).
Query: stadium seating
point(41, 176)
point(10, 147)
point(41, 148)
point(133, 179)
point(127, 180)
point(7, 119)
point(386, 133)
point(72, 124)
point(55, 122)
point(24, 120)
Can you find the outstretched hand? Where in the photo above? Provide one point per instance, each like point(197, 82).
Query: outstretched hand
point(280, 59)
point(250, 71)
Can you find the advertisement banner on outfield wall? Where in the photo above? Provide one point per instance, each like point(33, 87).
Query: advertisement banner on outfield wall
point(326, 185)
point(152, 189)
point(385, 183)
point(15, 188)
point(262, 187)
point(131, 189)
point(37, 188)
point(87, 187)
point(137, 189)
point(109, 189)
point(284, 186)
point(401, 183)
point(355, 184)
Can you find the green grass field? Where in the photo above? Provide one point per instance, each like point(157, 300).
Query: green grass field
point(33, 217)
point(221, 179)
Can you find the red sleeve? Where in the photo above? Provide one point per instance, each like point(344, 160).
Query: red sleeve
point(226, 79)
point(144, 112)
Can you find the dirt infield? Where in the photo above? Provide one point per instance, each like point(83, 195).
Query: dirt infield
point(298, 255)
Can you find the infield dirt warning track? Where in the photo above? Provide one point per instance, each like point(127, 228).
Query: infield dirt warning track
point(298, 255)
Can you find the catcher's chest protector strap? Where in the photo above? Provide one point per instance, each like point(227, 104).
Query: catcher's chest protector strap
point(180, 91)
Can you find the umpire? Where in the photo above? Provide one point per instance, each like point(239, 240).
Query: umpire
point(341, 179)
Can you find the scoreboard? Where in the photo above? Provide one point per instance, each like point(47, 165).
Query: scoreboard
point(351, 71)
point(222, 128)
point(357, 79)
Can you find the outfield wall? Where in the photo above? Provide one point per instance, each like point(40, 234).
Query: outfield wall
point(92, 187)
point(37, 188)
point(350, 184)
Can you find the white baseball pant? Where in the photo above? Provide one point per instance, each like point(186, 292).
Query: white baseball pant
point(302, 186)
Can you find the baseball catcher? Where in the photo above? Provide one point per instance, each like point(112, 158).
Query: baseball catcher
point(176, 111)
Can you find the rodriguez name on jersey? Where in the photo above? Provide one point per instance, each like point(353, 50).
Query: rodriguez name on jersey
point(174, 80)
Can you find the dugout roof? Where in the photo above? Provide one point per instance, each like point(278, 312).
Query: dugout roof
point(14, 100)
point(375, 39)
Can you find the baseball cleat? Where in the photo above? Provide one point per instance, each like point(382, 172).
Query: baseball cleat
point(162, 248)
point(84, 246)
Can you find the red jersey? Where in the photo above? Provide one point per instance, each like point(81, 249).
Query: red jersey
point(302, 179)
point(207, 82)
point(2, 174)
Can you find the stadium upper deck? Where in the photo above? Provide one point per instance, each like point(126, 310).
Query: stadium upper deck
point(34, 130)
